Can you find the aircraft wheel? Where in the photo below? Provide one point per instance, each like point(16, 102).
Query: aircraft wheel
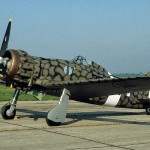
point(148, 111)
point(50, 122)
point(4, 110)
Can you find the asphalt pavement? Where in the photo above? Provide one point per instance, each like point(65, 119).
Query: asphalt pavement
point(87, 127)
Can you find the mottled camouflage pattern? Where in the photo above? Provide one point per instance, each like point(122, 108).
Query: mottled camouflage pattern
point(43, 71)
point(136, 100)
point(36, 71)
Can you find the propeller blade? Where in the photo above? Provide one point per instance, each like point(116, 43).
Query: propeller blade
point(6, 39)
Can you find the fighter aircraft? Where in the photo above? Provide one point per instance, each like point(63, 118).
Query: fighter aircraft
point(71, 79)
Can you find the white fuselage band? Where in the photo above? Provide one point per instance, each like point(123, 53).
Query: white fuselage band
point(112, 100)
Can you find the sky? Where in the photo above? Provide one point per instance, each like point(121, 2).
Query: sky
point(113, 33)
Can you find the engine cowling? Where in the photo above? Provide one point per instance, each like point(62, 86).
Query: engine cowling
point(21, 68)
point(14, 61)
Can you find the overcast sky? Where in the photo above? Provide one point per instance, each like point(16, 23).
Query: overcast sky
point(113, 33)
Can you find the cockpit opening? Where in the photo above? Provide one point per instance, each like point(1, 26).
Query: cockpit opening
point(80, 60)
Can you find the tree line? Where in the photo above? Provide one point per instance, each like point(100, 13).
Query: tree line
point(128, 74)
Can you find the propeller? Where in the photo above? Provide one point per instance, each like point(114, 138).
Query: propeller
point(5, 39)
point(2, 53)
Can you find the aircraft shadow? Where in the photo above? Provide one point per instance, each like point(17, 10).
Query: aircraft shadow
point(100, 116)
point(96, 116)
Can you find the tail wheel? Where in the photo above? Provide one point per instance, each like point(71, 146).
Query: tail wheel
point(5, 114)
point(148, 111)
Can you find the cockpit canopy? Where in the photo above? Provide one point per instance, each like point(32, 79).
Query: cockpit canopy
point(80, 60)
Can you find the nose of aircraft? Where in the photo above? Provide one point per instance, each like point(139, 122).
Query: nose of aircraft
point(4, 60)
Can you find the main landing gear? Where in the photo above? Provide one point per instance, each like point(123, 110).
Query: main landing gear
point(8, 111)
point(54, 117)
point(58, 114)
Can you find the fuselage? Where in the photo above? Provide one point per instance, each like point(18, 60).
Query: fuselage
point(23, 68)
point(30, 72)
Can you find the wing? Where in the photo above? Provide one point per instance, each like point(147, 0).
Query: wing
point(102, 87)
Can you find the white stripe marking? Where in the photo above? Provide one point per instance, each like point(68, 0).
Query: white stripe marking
point(149, 94)
point(112, 100)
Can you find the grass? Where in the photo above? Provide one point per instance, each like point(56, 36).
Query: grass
point(6, 94)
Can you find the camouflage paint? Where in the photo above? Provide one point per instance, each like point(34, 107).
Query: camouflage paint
point(36, 72)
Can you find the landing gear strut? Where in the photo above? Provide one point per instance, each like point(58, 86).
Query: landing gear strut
point(8, 111)
point(58, 114)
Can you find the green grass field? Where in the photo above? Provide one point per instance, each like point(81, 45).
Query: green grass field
point(6, 94)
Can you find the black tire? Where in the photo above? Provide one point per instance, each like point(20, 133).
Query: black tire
point(4, 114)
point(147, 111)
point(50, 122)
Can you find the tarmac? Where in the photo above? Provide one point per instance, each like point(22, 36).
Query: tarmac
point(87, 127)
